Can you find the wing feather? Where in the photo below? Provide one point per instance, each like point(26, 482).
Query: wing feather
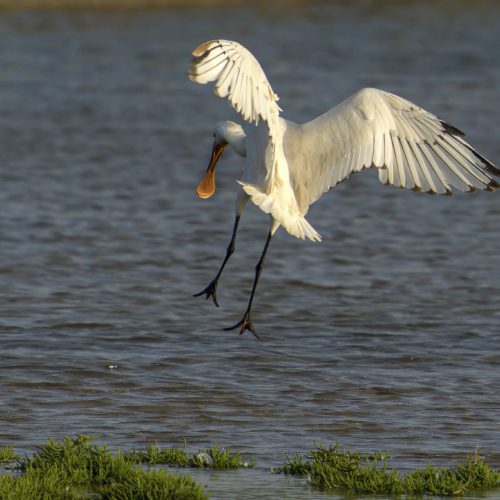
point(464, 161)
point(398, 155)
point(378, 151)
point(426, 149)
point(412, 166)
point(455, 175)
point(368, 155)
point(410, 180)
point(344, 169)
point(431, 186)
point(223, 85)
point(411, 148)
point(388, 160)
point(237, 76)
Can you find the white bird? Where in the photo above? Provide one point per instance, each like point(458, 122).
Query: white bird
point(289, 165)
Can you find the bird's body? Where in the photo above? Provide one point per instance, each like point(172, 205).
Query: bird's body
point(289, 166)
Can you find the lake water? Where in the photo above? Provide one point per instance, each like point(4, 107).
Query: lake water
point(384, 336)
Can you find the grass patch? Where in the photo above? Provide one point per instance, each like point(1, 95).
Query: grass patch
point(213, 458)
point(79, 468)
point(8, 455)
point(331, 469)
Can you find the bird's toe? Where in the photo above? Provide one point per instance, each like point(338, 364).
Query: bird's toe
point(244, 324)
point(210, 292)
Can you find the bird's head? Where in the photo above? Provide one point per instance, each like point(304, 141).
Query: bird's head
point(225, 133)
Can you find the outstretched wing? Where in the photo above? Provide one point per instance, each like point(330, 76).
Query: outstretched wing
point(237, 76)
point(410, 147)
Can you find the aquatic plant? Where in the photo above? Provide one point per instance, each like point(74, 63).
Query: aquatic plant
point(76, 468)
point(154, 455)
point(213, 458)
point(8, 455)
point(331, 469)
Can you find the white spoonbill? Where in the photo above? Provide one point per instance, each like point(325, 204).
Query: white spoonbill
point(289, 165)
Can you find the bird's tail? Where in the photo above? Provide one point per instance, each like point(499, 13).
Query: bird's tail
point(288, 216)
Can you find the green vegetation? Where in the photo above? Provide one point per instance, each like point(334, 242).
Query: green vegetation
point(78, 468)
point(213, 458)
point(330, 469)
point(7, 455)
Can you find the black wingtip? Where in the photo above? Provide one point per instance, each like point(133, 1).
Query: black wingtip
point(450, 129)
point(488, 166)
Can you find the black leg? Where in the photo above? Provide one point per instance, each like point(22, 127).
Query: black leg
point(211, 289)
point(246, 322)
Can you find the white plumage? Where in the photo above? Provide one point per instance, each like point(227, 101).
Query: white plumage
point(289, 165)
point(238, 77)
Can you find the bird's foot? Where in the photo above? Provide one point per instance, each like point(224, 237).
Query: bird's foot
point(243, 325)
point(210, 292)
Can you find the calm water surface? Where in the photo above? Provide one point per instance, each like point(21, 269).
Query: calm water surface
point(384, 336)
